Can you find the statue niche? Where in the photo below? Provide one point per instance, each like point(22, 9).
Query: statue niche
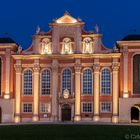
point(87, 45)
point(46, 46)
point(66, 46)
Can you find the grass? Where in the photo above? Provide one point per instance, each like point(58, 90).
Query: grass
point(69, 132)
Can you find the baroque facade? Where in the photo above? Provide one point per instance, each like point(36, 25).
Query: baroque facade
point(67, 74)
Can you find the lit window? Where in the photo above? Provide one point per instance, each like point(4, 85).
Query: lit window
point(45, 108)
point(66, 80)
point(106, 82)
point(27, 107)
point(105, 107)
point(45, 82)
point(87, 82)
point(87, 108)
point(27, 82)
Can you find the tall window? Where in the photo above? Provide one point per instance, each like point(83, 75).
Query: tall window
point(87, 82)
point(45, 82)
point(106, 82)
point(66, 80)
point(0, 75)
point(27, 82)
point(136, 74)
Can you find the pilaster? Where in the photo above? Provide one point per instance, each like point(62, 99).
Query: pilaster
point(115, 67)
point(18, 70)
point(125, 72)
point(7, 84)
point(96, 68)
point(77, 116)
point(55, 90)
point(36, 90)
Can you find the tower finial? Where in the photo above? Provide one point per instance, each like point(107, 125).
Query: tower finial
point(38, 29)
point(97, 29)
point(66, 13)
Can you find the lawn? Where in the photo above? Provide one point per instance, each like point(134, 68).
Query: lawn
point(69, 132)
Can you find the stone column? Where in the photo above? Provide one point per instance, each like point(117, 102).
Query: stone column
point(7, 84)
point(55, 90)
point(96, 94)
point(125, 72)
point(18, 70)
point(115, 67)
point(77, 116)
point(36, 88)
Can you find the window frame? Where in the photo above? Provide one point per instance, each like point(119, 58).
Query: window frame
point(45, 69)
point(106, 94)
point(82, 107)
point(23, 82)
point(28, 103)
point(70, 92)
point(92, 82)
point(49, 105)
point(109, 102)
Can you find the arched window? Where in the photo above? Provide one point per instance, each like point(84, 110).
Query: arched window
point(27, 82)
point(105, 82)
point(87, 81)
point(66, 80)
point(0, 75)
point(136, 74)
point(45, 82)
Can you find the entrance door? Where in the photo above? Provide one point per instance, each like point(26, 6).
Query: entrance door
point(134, 114)
point(66, 112)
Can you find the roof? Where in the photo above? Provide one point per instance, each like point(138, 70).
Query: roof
point(6, 40)
point(133, 37)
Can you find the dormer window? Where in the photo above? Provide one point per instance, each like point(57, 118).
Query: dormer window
point(66, 46)
point(87, 45)
point(46, 46)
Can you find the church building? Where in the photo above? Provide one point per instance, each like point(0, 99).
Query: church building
point(67, 74)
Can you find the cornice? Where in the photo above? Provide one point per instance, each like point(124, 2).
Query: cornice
point(129, 43)
point(66, 57)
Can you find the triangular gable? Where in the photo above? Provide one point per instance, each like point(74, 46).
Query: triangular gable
point(66, 19)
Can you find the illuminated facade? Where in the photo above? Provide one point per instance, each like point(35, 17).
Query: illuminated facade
point(67, 74)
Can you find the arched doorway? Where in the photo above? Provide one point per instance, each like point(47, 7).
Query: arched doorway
point(135, 114)
point(66, 112)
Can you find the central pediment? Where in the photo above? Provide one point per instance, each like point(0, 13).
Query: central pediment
point(66, 19)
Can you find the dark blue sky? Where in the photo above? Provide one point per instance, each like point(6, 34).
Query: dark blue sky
point(116, 18)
